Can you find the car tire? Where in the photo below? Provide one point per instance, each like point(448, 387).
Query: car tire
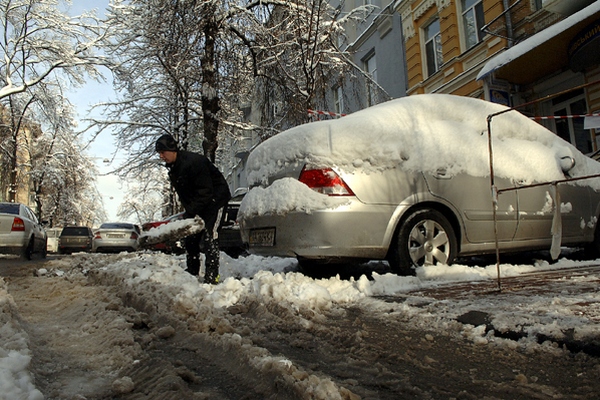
point(592, 249)
point(319, 269)
point(28, 251)
point(309, 267)
point(425, 237)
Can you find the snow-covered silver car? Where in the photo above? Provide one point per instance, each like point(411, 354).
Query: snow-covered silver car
point(20, 231)
point(409, 181)
point(116, 237)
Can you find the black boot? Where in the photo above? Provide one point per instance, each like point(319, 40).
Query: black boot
point(211, 274)
point(193, 265)
point(192, 248)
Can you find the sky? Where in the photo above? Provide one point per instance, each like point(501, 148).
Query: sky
point(110, 187)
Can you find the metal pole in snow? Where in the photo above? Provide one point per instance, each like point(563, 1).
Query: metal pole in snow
point(494, 198)
point(494, 190)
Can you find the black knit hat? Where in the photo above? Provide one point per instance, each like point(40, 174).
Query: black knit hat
point(166, 143)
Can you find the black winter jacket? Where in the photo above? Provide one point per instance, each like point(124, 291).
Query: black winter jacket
point(201, 187)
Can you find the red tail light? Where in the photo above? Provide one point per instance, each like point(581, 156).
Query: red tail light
point(18, 225)
point(97, 235)
point(325, 181)
point(133, 236)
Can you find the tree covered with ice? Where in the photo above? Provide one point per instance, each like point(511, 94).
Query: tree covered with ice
point(190, 68)
point(45, 51)
point(194, 69)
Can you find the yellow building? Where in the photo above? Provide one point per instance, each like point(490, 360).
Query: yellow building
point(515, 52)
point(17, 187)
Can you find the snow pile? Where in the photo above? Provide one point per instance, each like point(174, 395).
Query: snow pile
point(171, 231)
point(159, 286)
point(286, 195)
point(423, 133)
point(15, 379)
point(276, 280)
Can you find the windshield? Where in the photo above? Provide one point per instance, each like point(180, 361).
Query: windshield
point(116, 226)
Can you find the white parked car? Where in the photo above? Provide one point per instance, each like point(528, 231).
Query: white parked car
point(53, 234)
point(116, 237)
point(20, 231)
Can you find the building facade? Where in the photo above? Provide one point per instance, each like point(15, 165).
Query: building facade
point(376, 48)
point(15, 177)
point(539, 56)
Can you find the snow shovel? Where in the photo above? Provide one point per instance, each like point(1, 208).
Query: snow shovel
point(171, 232)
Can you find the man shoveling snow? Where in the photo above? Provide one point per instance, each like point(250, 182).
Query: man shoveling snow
point(203, 192)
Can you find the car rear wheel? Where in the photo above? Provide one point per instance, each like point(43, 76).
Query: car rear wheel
point(424, 238)
point(44, 252)
point(592, 249)
point(309, 267)
point(28, 251)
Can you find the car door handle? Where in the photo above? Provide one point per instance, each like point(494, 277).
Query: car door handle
point(441, 173)
point(520, 182)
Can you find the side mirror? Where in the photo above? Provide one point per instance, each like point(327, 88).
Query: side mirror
point(566, 164)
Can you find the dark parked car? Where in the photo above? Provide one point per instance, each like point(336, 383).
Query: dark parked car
point(116, 237)
point(74, 239)
point(230, 238)
point(20, 231)
point(409, 181)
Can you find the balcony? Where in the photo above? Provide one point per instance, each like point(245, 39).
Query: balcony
point(565, 7)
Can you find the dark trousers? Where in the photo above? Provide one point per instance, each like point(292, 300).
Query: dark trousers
point(206, 242)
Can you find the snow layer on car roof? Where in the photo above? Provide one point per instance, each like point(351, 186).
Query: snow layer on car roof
point(424, 133)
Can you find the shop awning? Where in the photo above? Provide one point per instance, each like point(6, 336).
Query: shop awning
point(542, 53)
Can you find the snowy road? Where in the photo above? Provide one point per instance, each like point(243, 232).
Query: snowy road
point(137, 327)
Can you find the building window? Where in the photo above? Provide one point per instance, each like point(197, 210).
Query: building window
point(433, 47)
point(537, 4)
point(338, 98)
point(370, 68)
point(571, 129)
point(473, 21)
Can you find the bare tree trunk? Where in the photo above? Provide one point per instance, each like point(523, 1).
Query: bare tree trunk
point(210, 97)
point(13, 185)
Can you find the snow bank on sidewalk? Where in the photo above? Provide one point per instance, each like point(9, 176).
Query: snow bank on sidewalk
point(15, 379)
point(159, 282)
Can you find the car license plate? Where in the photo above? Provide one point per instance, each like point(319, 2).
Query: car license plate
point(262, 237)
point(113, 236)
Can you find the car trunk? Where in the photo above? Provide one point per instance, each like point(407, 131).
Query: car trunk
point(6, 223)
point(115, 234)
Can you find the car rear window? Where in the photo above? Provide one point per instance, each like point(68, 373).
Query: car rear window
point(116, 226)
point(75, 231)
point(9, 208)
point(239, 197)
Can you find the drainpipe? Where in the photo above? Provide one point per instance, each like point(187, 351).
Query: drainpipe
point(509, 25)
